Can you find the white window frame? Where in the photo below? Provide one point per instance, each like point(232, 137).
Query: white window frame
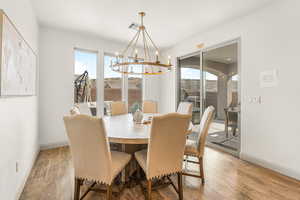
point(124, 85)
point(97, 68)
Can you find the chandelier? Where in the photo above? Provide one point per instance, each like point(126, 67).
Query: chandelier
point(141, 56)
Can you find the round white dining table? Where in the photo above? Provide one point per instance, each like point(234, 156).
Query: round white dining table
point(121, 129)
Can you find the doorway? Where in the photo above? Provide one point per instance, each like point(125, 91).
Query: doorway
point(211, 78)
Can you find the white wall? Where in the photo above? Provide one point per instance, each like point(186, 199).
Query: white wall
point(269, 40)
point(19, 116)
point(56, 78)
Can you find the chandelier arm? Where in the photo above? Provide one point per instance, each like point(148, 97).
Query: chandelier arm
point(149, 50)
point(145, 50)
point(147, 54)
point(135, 43)
point(147, 47)
point(128, 46)
point(151, 41)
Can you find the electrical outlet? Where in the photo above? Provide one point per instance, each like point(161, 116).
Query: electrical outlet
point(17, 167)
point(255, 100)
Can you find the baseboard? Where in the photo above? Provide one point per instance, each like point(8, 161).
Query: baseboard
point(27, 174)
point(274, 167)
point(53, 145)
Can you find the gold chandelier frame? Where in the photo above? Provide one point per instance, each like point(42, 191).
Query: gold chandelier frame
point(148, 62)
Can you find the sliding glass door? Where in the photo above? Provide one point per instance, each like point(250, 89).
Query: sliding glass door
point(210, 78)
point(189, 83)
point(220, 89)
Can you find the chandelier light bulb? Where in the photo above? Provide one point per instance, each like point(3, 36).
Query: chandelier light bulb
point(136, 54)
point(156, 54)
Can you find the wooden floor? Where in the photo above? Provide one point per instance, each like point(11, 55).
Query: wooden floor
point(226, 178)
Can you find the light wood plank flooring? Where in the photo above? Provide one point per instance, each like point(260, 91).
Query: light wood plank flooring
point(226, 178)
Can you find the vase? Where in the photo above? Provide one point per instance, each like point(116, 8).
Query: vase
point(138, 116)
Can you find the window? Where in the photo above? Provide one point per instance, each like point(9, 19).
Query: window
point(85, 78)
point(113, 87)
point(112, 84)
point(135, 92)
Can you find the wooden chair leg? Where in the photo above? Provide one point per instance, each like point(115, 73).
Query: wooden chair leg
point(201, 169)
point(149, 188)
point(77, 189)
point(226, 130)
point(180, 189)
point(234, 131)
point(109, 192)
point(138, 172)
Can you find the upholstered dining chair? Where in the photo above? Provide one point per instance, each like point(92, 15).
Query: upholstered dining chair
point(149, 106)
point(165, 151)
point(195, 148)
point(231, 120)
point(185, 108)
point(118, 108)
point(92, 158)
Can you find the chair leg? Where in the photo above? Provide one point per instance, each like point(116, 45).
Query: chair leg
point(226, 130)
point(138, 172)
point(201, 169)
point(186, 162)
point(180, 189)
point(77, 189)
point(149, 185)
point(234, 131)
point(109, 192)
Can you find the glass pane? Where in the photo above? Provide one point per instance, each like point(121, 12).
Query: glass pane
point(232, 91)
point(190, 76)
point(221, 91)
point(112, 84)
point(85, 78)
point(211, 89)
point(135, 93)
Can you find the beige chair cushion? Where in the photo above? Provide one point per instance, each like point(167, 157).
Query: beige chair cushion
point(149, 107)
point(119, 161)
point(90, 150)
point(166, 145)
point(185, 108)
point(118, 108)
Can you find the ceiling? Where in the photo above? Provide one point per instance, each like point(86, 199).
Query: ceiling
point(227, 54)
point(168, 21)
